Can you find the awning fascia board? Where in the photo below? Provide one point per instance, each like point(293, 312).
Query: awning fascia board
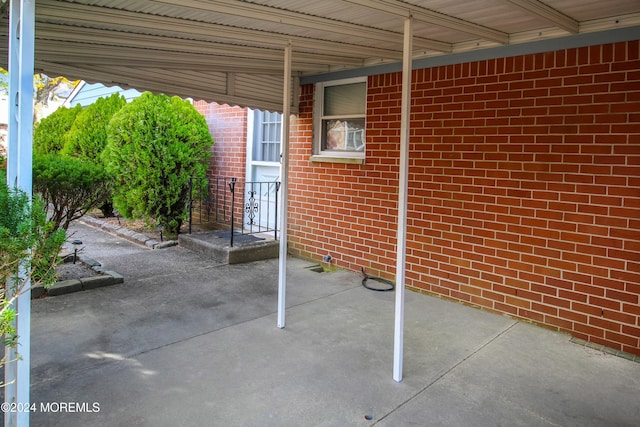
point(539, 46)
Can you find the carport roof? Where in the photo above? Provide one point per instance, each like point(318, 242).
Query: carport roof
point(231, 51)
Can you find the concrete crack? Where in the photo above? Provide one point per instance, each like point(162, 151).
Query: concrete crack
point(446, 372)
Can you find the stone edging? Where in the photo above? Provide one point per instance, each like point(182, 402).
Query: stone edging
point(105, 278)
point(127, 234)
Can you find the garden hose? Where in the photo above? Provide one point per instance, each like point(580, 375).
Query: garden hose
point(389, 284)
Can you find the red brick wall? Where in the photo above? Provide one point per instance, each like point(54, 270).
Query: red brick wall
point(344, 210)
point(228, 126)
point(524, 192)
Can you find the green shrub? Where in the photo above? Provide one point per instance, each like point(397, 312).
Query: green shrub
point(155, 144)
point(69, 186)
point(28, 244)
point(49, 135)
point(87, 137)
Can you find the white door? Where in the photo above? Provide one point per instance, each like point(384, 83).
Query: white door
point(262, 196)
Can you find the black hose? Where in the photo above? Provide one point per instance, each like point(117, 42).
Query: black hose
point(390, 285)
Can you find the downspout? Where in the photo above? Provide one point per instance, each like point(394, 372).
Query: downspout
point(398, 344)
point(284, 186)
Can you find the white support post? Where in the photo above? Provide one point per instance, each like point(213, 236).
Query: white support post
point(19, 175)
point(284, 186)
point(398, 344)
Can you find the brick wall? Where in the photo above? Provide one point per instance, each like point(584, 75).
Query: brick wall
point(228, 126)
point(524, 192)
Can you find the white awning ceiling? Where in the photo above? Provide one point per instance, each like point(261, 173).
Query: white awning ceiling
point(230, 51)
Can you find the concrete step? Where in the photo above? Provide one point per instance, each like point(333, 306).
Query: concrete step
point(246, 247)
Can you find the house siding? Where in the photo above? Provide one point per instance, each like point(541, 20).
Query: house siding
point(524, 188)
point(88, 93)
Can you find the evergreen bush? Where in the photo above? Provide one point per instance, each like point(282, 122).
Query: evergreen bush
point(156, 143)
point(49, 135)
point(87, 136)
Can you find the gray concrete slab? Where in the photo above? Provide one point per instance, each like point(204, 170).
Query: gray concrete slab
point(186, 341)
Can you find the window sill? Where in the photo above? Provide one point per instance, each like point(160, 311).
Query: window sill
point(330, 159)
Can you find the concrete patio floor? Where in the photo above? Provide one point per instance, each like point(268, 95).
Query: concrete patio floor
point(188, 341)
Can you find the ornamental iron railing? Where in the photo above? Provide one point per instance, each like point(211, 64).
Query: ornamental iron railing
point(243, 207)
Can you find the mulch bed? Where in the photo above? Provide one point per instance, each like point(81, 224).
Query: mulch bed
point(70, 271)
point(139, 226)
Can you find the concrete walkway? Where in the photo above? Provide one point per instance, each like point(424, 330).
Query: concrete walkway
point(187, 341)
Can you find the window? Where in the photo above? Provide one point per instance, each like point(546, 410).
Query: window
point(339, 122)
point(267, 134)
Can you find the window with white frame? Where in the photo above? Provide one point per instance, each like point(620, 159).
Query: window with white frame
point(267, 136)
point(339, 118)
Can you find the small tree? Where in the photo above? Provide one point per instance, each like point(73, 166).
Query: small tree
point(155, 144)
point(47, 89)
point(69, 186)
point(50, 134)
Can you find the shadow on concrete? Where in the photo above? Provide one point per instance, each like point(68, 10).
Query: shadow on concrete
point(190, 340)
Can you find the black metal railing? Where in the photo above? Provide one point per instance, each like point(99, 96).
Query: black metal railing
point(245, 207)
point(209, 201)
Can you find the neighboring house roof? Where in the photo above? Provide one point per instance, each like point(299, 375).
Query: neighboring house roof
point(87, 93)
point(232, 51)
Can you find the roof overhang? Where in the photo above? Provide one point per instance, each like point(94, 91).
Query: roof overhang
point(232, 51)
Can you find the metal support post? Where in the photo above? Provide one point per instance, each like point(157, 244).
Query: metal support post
point(284, 185)
point(19, 175)
point(402, 201)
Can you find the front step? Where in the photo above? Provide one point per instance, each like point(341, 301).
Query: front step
point(246, 248)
